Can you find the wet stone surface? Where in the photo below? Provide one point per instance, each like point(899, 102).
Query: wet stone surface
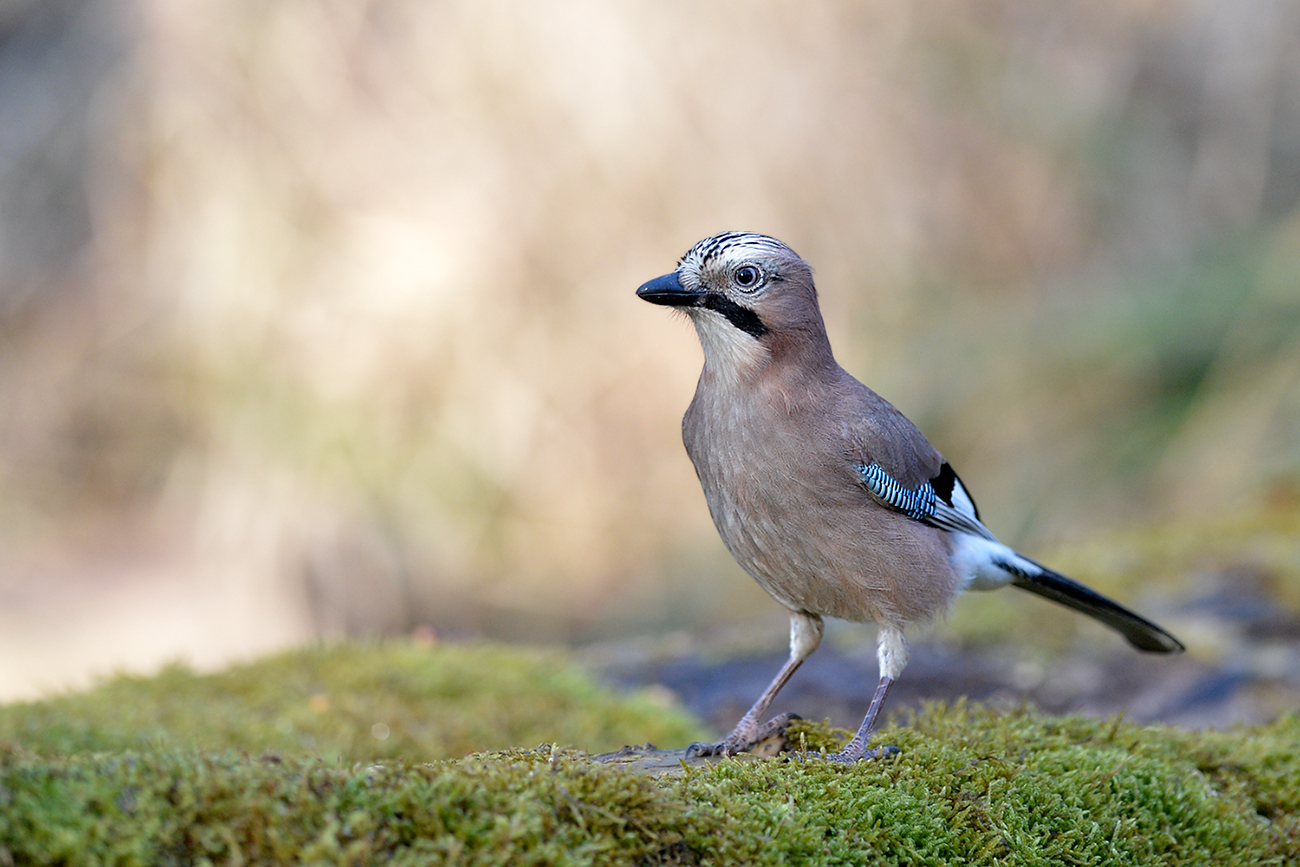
point(837, 686)
point(1242, 666)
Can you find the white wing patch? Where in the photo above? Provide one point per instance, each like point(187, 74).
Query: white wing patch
point(961, 516)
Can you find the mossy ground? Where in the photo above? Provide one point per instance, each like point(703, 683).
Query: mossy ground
point(353, 702)
point(186, 769)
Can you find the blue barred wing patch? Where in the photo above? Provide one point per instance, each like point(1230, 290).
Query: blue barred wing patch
point(918, 504)
point(949, 508)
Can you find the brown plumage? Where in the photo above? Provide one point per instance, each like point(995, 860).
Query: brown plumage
point(824, 492)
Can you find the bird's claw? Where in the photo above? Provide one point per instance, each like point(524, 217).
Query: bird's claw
point(743, 739)
point(845, 757)
point(700, 749)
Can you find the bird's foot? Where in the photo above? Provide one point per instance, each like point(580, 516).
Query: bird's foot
point(744, 738)
point(848, 755)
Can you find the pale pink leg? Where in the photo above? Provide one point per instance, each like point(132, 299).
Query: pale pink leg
point(805, 635)
point(891, 651)
point(856, 749)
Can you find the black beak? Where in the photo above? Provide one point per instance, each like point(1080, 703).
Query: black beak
point(668, 290)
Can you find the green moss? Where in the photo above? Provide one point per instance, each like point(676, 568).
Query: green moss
point(189, 769)
point(183, 808)
point(971, 786)
point(354, 702)
point(807, 736)
point(974, 786)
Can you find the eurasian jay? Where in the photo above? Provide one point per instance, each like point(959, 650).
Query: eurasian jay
point(824, 492)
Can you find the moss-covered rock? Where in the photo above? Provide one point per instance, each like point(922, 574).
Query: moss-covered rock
point(204, 782)
point(355, 702)
point(971, 787)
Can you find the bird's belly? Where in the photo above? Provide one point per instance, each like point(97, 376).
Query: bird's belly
point(843, 557)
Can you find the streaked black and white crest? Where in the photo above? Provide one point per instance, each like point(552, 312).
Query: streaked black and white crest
point(716, 249)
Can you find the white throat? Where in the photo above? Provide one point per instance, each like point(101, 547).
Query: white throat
point(729, 353)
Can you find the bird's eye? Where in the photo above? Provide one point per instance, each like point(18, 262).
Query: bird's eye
point(746, 276)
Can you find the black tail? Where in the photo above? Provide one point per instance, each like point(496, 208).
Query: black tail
point(1140, 632)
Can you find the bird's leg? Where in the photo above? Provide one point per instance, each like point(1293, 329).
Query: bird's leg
point(805, 635)
point(891, 651)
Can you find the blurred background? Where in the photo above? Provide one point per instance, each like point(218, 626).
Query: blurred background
point(317, 316)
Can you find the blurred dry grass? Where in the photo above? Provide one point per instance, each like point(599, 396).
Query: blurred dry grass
point(317, 316)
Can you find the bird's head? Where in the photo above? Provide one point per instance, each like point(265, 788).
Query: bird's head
point(749, 296)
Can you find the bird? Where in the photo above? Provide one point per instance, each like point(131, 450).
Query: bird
point(824, 492)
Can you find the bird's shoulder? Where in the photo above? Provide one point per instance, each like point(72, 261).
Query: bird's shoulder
point(872, 430)
point(897, 465)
